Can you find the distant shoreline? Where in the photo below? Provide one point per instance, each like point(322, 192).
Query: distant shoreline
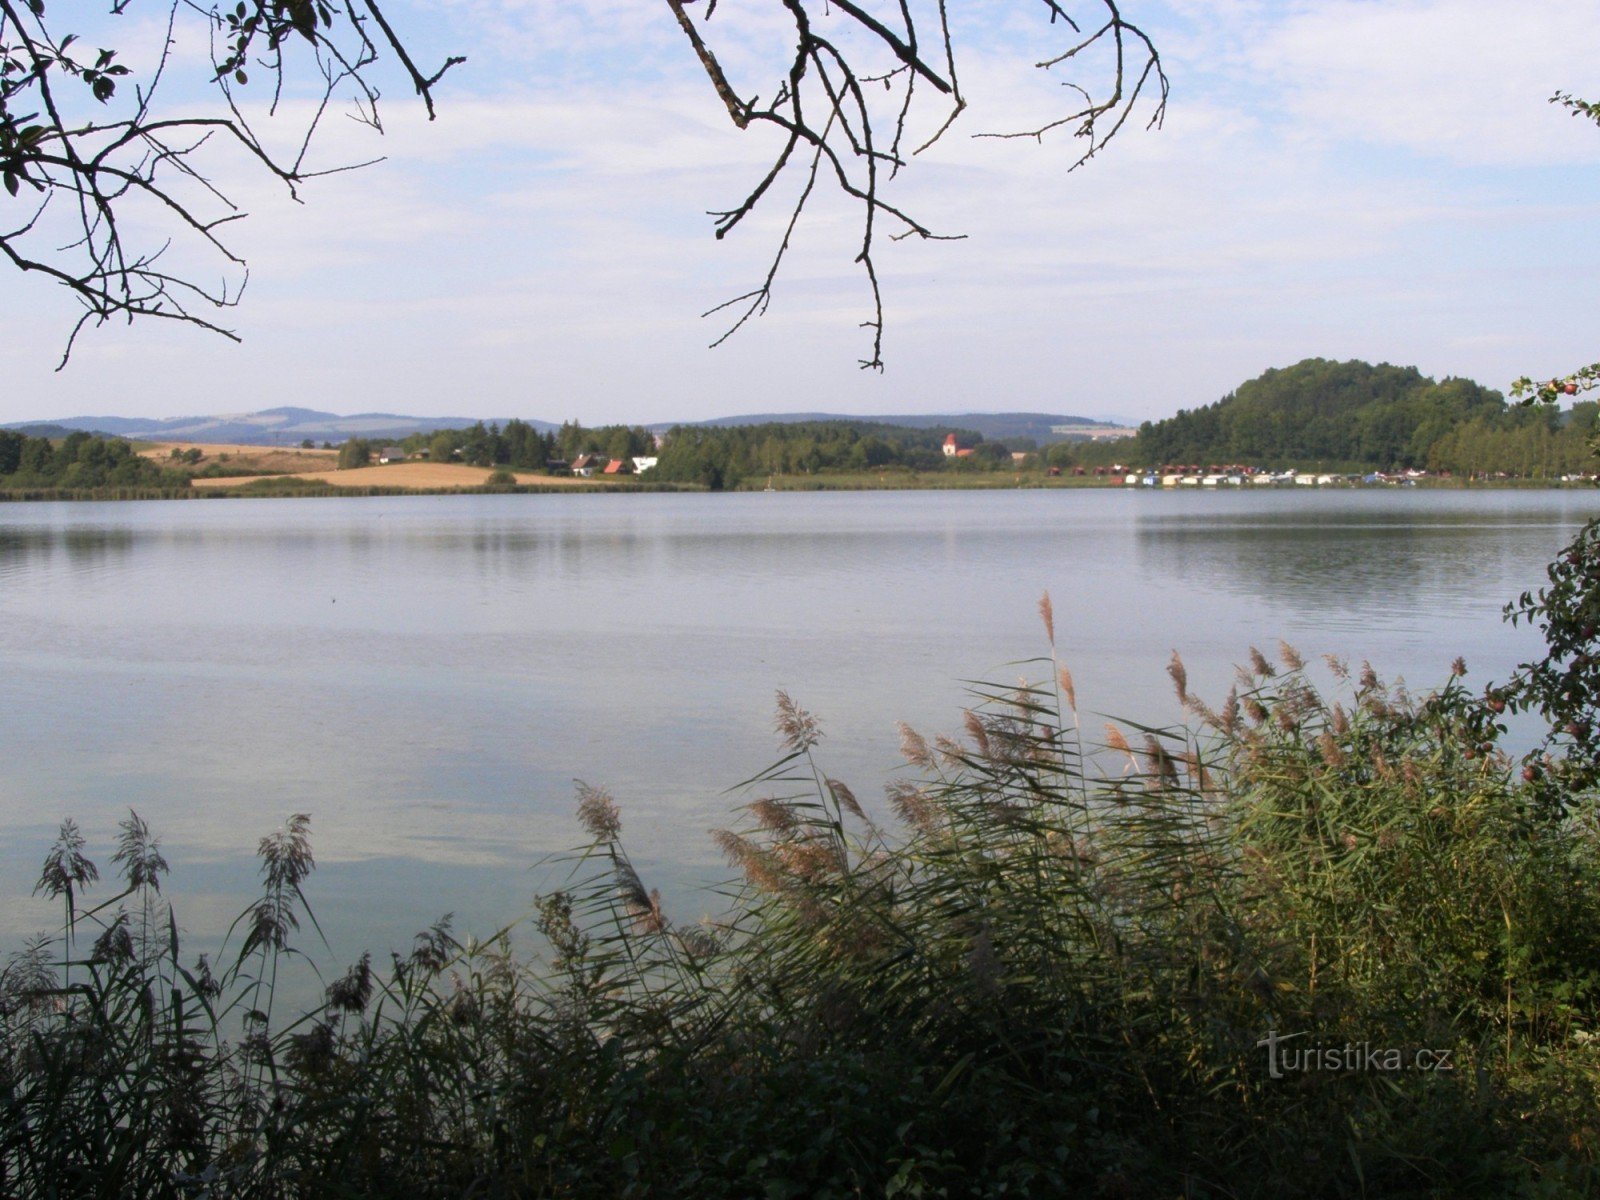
point(316, 486)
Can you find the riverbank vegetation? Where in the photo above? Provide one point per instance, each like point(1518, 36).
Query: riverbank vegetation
point(1332, 939)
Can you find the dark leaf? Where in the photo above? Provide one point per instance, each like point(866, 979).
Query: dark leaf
point(304, 17)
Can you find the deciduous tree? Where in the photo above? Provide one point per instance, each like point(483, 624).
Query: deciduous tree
point(357, 452)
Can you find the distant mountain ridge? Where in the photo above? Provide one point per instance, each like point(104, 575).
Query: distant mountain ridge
point(288, 425)
point(273, 426)
point(52, 429)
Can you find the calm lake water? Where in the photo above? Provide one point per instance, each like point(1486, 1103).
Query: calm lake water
point(427, 676)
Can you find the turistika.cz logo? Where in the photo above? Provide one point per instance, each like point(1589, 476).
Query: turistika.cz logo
point(1283, 1059)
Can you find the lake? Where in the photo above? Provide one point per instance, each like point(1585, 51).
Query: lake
point(427, 676)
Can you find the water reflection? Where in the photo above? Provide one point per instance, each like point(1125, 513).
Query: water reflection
point(427, 676)
point(86, 549)
point(1403, 567)
point(1311, 569)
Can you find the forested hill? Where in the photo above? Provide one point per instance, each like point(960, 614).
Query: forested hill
point(1322, 411)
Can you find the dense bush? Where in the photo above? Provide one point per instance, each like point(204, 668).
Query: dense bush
point(1045, 967)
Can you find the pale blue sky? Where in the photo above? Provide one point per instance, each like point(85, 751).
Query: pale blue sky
point(1336, 178)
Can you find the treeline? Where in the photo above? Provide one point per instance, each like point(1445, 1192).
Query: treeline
point(1532, 443)
point(79, 462)
point(518, 445)
point(723, 456)
point(716, 456)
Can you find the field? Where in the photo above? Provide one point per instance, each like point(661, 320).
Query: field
point(257, 462)
point(261, 460)
point(423, 476)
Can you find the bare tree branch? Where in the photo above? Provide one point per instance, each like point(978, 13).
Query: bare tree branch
point(104, 186)
point(822, 102)
point(93, 163)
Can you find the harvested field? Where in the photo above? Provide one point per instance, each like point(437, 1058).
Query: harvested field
point(272, 460)
point(420, 475)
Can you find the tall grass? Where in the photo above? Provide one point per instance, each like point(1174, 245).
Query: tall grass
point(1044, 963)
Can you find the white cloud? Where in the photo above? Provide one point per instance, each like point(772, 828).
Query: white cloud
point(1322, 186)
point(1462, 80)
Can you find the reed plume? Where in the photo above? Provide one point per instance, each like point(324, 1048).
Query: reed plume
point(846, 799)
point(1180, 678)
point(1259, 664)
point(773, 815)
point(914, 748)
point(913, 805)
point(799, 729)
point(597, 813)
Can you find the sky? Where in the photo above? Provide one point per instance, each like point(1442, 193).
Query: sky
point(1372, 179)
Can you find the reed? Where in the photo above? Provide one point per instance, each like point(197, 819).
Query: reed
point(1041, 965)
